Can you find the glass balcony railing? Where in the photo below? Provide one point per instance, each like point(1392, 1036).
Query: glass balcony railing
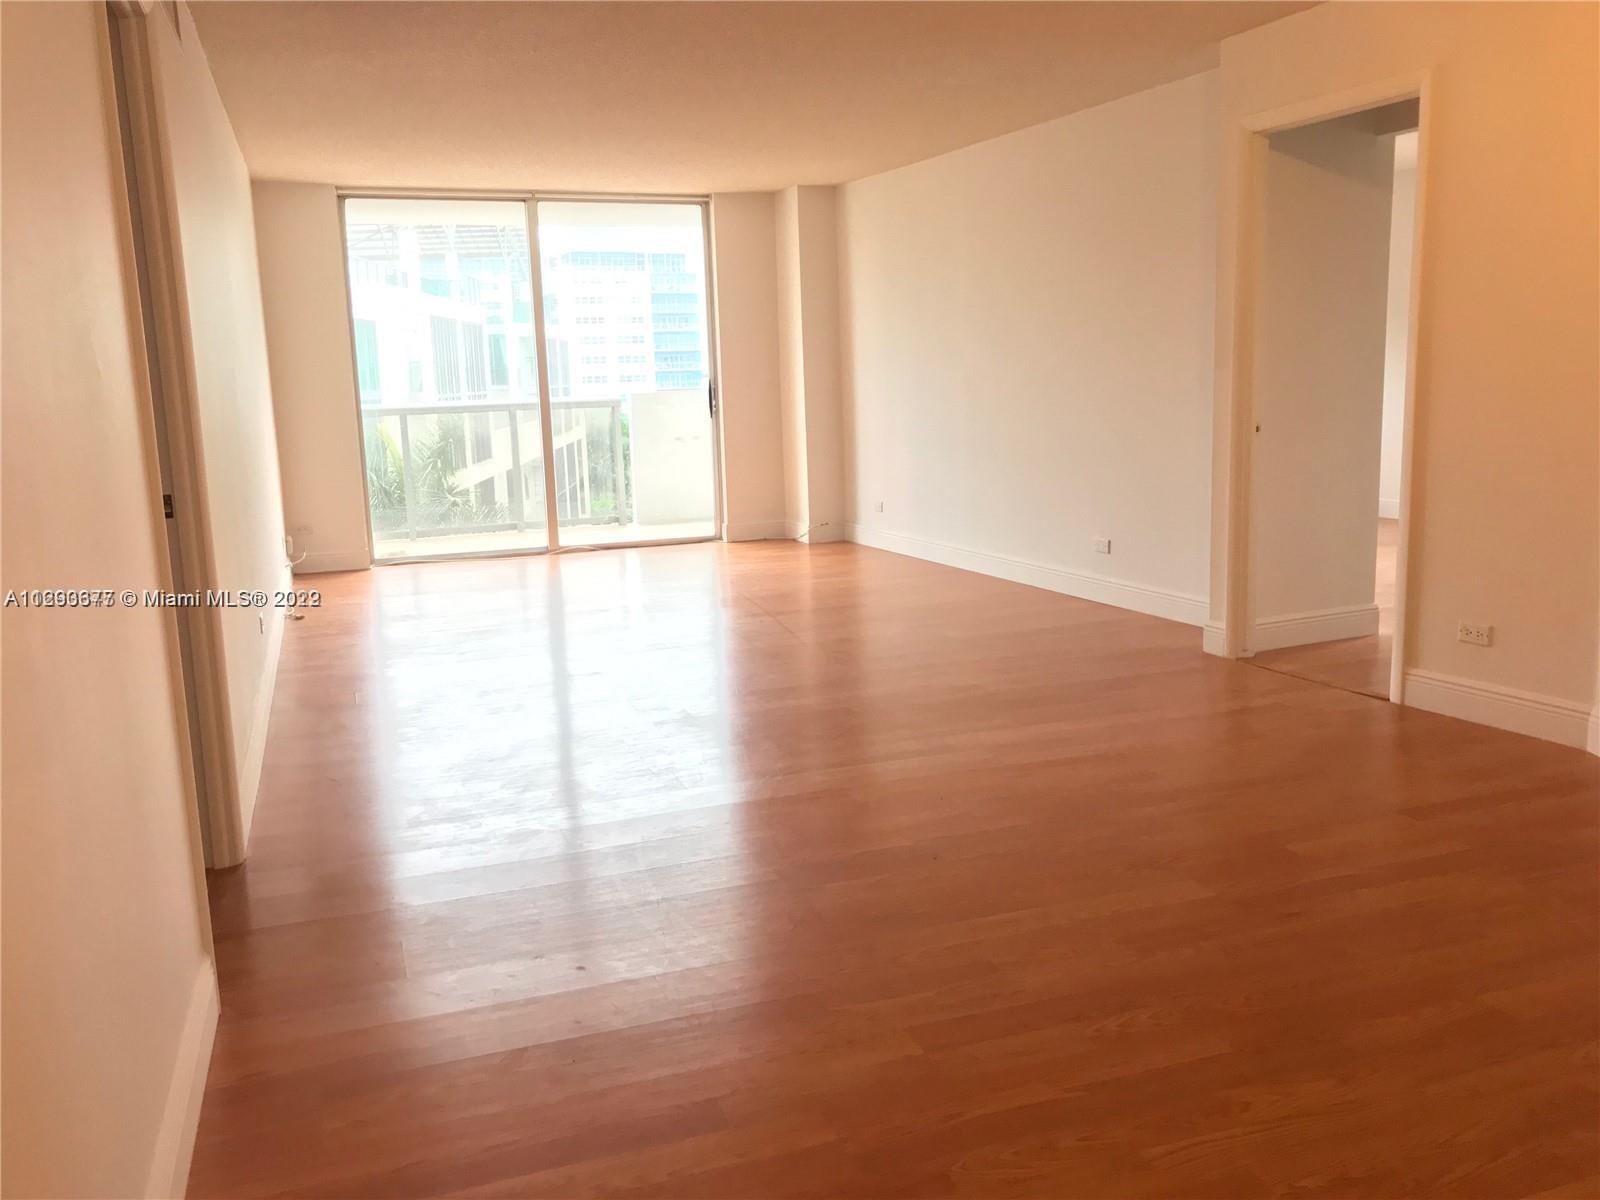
point(443, 471)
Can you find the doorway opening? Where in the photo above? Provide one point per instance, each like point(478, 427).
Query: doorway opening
point(532, 374)
point(1330, 378)
point(174, 424)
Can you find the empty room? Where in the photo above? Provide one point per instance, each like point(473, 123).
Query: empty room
point(799, 599)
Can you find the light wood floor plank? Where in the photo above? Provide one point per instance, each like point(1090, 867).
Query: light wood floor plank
point(767, 870)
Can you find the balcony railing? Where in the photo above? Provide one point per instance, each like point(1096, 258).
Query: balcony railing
point(441, 470)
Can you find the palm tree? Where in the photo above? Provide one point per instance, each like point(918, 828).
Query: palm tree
point(386, 480)
point(438, 500)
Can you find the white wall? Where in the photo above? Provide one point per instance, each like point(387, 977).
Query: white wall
point(808, 361)
point(745, 276)
point(308, 343)
point(209, 195)
point(819, 248)
point(1026, 328)
point(1402, 223)
point(1505, 525)
point(109, 993)
point(1319, 363)
point(791, 365)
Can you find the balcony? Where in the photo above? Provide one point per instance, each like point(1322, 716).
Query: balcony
point(469, 477)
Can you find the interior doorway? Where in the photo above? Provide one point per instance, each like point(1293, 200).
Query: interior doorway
point(531, 374)
point(174, 422)
point(1329, 377)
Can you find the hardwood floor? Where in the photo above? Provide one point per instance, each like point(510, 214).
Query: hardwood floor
point(766, 870)
point(1355, 664)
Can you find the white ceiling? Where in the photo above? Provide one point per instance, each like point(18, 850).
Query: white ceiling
point(672, 97)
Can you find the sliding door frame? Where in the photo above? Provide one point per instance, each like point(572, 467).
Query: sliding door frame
point(713, 388)
point(530, 202)
point(541, 365)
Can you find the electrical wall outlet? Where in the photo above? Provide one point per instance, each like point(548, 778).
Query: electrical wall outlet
point(1475, 635)
point(1102, 545)
point(878, 507)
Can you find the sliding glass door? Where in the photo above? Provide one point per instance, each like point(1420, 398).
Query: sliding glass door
point(626, 324)
point(462, 455)
point(441, 301)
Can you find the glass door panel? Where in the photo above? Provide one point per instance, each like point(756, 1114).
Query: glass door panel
point(629, 362)
point(441, 297)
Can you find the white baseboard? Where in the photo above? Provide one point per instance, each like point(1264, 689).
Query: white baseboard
point(1546, 717)
point(1594, 732)
point(1214, 640)
point(180, 1116)
point(1323, 625)
point(824, 531)
point(1156, 602)
point(1389, 509)
point(794, 531)
point(755, 531)
point(319, 561)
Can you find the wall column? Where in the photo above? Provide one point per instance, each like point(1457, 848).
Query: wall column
point(808, 362)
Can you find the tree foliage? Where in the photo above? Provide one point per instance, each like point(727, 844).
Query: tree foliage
point(437, 456)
